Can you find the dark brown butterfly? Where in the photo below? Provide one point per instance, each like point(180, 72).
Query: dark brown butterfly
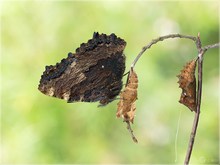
point(93, 73)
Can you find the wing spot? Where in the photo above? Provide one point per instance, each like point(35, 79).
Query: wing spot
point(50, 91)
point(66, 96)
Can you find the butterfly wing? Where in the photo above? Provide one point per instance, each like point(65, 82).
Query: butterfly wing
point(93, 73)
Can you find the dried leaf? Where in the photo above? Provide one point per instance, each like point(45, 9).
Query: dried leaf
point(126, 105)
point(187, 82)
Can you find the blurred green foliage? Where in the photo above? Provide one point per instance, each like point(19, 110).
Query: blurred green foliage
point(39, 129)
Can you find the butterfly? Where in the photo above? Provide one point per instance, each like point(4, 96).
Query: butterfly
point(93, 73)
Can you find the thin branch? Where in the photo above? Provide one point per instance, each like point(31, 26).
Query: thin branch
point(154, 41)
point(211, 46)
point(197, 114)
point(131, 132)
point(201, 52)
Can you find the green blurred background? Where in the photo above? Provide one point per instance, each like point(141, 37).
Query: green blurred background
point(39, 129)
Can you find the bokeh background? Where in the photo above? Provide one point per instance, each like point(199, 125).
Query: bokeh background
point(39, 129)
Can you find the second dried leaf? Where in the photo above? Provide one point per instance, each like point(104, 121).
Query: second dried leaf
point(187, 82)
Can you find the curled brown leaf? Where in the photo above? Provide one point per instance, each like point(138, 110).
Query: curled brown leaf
point(187, 82)
point(126, 105)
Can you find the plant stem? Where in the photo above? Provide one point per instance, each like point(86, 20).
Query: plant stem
point(154, 41)
point(197, 114)
point(131, 132)
point(211, 46)
point(199, 95)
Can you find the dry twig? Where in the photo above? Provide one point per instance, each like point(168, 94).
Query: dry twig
point(201, 52)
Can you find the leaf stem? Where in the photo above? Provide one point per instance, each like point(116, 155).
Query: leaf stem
point(131, 132)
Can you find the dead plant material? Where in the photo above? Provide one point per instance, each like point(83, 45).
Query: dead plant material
point(126, 105)
point(187, 82)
